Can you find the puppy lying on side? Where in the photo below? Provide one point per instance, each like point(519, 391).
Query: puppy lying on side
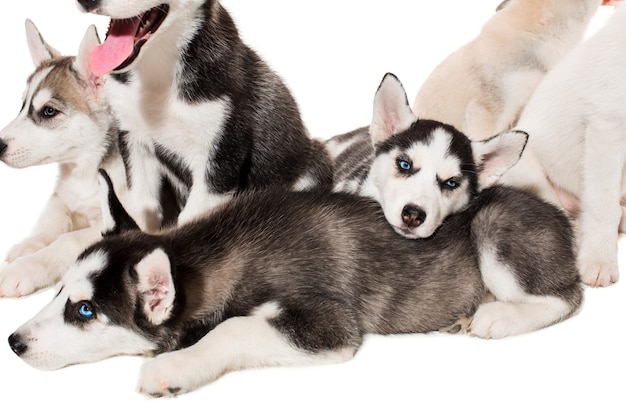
point(482, 87)
point(269, 278)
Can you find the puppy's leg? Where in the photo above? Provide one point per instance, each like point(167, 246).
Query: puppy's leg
point(515, 311)
point(600, 209)
point(54, 220)
point(144, 187)
point(237, 343)
point(47, 266)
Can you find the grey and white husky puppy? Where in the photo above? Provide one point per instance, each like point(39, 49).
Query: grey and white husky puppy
point(197, 104)
point(279, 278)
point(61, 121)
point(423, 171)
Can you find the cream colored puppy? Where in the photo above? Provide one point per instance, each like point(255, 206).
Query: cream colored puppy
point(576, 154)
point(482, 87)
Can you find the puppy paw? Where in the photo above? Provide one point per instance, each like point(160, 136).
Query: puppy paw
point(493, 321)
point(596, 273)
point(23, 277)
point(168, 375)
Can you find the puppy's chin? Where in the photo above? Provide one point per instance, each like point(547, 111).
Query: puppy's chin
point(419, 232)
point(406, 232)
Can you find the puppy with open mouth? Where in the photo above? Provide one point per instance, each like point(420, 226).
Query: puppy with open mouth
point(197, 105)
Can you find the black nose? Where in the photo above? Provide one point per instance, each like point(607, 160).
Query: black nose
point(413, 216)
point(3, 147)
point(89, 5)
point(17, 345)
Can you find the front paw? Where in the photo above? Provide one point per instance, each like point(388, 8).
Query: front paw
point(165, 376)
point(493, 321)
point(597, 270)
point(23, 277)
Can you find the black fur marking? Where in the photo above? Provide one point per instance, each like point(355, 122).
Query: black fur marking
point(125, 154)
point(122, 77)
point(123, 221)
point(174, 164)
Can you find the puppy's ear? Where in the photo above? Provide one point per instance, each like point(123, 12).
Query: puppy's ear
point(392, 112)
point(156, 286)
point(493, 157)
point(81, 64)
point(40, 51)
point(115, 219)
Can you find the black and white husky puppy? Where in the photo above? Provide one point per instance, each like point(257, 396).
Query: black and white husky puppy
point(278, 278)
point(196, 103)
point(423, 171)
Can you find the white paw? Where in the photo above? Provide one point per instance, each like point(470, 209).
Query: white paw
point(493, 320)
point(597, 271)
point(167, 375)
point(25, 248)
point(23, 277)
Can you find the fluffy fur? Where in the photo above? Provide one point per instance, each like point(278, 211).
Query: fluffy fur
point(286, 278)
point(576, 155)
point(197, 105)
point(482, 87)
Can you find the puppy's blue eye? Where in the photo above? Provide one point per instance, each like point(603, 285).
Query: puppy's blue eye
point(452, 183)
point(404, 165)
point(85, 311)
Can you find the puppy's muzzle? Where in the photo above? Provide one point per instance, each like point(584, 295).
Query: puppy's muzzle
point(3, 148)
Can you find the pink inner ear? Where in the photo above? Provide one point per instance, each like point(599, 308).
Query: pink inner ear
point(155, 296)
point(155, 286)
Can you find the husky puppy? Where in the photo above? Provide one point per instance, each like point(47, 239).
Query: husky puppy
point(482, 87)
point(194, 102)
point(278, 278)
point(399, 152)
point(577, 150)
point(60, 122)
point(422, 172)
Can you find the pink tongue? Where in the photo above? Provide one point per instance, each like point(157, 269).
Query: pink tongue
point(116, 48)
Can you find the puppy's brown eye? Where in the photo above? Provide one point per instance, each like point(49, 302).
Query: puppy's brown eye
point(48, 112)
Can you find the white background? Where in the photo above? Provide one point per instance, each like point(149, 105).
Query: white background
point(333, 54)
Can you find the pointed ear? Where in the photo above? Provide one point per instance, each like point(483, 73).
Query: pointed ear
point(392, 112)
point(156, 286)
point(40, 51)
point(493, 157)
point(81, 64)
point(115, 219)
